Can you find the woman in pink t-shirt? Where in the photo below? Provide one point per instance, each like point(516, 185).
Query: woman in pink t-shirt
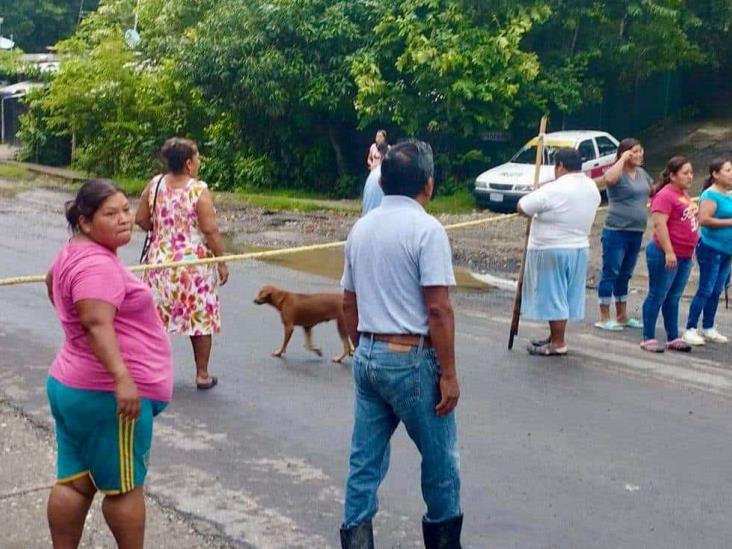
point(669, 254)
point(375, 155)
point(112, 375)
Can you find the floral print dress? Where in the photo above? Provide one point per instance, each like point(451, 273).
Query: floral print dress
point(185, 296)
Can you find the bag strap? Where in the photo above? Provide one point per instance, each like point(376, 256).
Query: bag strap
point(155, 200)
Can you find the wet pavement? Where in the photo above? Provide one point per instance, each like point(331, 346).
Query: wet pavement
point(610, 447)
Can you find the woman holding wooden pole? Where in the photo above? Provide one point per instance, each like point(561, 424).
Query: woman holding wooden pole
point(553, 286)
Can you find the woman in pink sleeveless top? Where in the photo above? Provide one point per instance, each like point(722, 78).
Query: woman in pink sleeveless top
point(112, 375)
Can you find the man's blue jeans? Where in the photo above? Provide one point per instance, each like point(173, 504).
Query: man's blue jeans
point(714, 268)
point(665, 287)
point(619, 255)
point(393, 386)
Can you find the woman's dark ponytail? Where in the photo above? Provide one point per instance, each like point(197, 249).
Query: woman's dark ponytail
point(72, 214)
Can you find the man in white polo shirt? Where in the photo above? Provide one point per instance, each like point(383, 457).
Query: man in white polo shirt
point(563, 211)
point(398, 269)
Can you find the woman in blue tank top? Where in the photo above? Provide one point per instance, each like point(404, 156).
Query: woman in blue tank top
point(713, 253)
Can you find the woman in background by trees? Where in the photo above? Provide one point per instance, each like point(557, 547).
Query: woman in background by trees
point(375, 156)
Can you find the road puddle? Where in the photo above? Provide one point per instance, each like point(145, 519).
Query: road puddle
point(329, 263)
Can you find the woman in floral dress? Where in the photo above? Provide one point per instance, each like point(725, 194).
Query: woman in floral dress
point(183, 226)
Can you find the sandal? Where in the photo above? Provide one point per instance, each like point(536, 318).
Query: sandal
point(678, 344)
point(610, 325)
point(546, 350)
point(652, 346)
point(632, 323)
point(540, 342)
point(210, 384)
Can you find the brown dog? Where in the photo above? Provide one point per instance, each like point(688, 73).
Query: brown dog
point(306, 310)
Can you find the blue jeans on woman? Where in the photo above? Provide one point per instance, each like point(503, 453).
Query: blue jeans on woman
point(393, 386)
point(620, 251)
point(714, 269)
point(665, 287)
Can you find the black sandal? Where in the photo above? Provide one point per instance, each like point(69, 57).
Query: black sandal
point(212, 382)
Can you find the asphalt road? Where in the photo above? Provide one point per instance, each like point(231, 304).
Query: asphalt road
point(610, 447)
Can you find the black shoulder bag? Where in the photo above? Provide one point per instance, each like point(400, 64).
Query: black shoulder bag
point(148, 236)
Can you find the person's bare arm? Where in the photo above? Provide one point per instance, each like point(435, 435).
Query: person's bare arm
point(97, 319)
point(143, 218)
point(615, 172)
point(707, 209)
point(660, 227)
point(350, 312)
point(209, 227)
point(441, 319)
point(49, 286)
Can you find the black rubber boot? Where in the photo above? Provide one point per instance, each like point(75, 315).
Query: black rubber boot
point(358, 537)
point(442, 535)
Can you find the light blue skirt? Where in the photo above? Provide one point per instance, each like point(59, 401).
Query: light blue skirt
point(554, 284)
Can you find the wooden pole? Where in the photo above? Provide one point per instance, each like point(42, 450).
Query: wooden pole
point(520, 282)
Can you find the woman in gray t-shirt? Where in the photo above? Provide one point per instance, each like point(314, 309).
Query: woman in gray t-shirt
point(628, 189)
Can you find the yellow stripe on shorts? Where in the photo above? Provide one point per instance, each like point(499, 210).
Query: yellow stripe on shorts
point(126, 433)
point(131, 455)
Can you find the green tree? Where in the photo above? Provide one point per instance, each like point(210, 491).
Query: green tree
point(587, 47)
point(38, 24)
point(279, 73)
point(281, 92)
point(447, 70)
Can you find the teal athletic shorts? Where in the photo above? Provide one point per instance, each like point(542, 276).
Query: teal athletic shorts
point(92, 439)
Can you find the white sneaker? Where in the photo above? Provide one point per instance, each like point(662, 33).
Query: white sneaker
point(714, 336)
point(692, 337)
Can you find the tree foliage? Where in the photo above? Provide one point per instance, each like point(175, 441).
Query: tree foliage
point(37, 24)
point(288, 92)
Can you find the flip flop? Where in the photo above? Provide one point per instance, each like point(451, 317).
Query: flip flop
point(652, 346)
point(546, 350)
point(212, 382)
point(678, 344)
point(632, 323)
point(610, 325)
point(541, 342)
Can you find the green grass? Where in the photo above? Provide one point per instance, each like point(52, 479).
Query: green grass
point(9, 171)
point(306, 201)
point(133, 186)
point(461, 202)
point(288, 203)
